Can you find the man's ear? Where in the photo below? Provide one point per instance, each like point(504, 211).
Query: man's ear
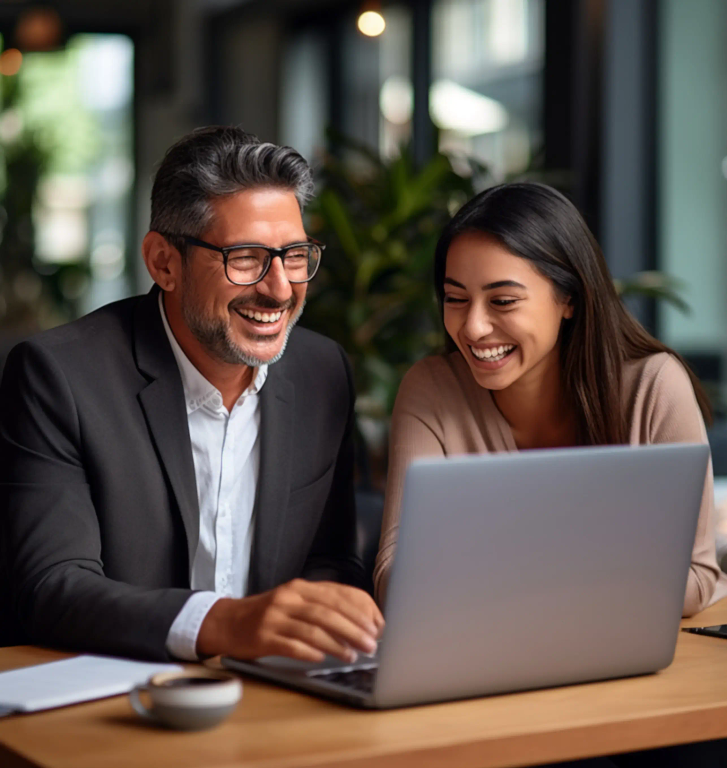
point(163, 261)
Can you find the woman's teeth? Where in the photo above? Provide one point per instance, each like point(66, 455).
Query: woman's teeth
point(493, 354)
point(261, 317)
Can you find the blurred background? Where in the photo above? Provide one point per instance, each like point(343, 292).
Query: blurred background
point(404, 109)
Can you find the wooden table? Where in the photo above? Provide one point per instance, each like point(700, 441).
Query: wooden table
point(274, 728)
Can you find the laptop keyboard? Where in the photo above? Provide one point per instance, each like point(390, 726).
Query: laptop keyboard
point(361, 680)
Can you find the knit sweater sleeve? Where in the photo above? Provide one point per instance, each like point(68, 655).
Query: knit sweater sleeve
point(672, 416)
point(416, 431)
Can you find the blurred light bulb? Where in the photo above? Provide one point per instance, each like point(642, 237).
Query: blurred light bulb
point(10, 61)
point(453, 107)
point(396, 100)
point(371, 23)
point(39, 29)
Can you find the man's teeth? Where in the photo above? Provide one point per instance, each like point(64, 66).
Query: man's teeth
point(493, 354)
point(261, 317)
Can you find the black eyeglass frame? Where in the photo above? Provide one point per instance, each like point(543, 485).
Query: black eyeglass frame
point(272, 253)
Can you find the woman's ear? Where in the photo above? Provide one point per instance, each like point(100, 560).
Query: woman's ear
point(568, 308)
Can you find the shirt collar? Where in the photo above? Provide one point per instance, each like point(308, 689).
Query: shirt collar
point(197, 390)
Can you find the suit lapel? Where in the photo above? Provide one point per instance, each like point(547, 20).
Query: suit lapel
point(277, 402)
point(162, 401)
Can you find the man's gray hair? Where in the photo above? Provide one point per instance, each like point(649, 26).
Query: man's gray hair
point(217, 161)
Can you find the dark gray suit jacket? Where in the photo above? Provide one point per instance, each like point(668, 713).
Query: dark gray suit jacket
point(98, 507)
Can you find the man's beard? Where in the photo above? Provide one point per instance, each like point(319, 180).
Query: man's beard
point(214, 334)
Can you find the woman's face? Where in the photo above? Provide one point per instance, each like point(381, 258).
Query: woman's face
point(504, 316)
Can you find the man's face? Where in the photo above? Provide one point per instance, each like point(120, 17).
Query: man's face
point(221, 315)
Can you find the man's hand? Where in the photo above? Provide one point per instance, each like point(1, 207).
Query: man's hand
point(300, 619)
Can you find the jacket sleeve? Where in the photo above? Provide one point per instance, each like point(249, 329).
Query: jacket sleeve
point(333, 555)
point(51, 535)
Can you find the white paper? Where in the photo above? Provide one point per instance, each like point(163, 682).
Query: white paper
point(82, 678)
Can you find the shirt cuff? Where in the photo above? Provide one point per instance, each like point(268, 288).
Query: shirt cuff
point(182, 637)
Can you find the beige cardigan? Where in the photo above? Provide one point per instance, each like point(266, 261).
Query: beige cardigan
point(440, 410)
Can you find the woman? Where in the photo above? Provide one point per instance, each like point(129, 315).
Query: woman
point(541, 353)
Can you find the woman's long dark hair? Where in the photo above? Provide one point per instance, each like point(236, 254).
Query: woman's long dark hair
point(538, 223)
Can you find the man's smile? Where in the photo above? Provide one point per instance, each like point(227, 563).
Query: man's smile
point(261, 317)
point(263, 322)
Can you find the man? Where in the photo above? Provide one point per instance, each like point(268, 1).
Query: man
point(177, 467)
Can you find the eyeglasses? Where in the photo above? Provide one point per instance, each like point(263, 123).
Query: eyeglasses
point(248, 264)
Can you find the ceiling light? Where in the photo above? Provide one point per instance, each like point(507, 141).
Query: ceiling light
point(396, 100)
point(39, 28)
point(456, 108)
point(452, 107)
point(371, 22)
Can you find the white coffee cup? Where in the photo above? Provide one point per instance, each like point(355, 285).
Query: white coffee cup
point(188, 700)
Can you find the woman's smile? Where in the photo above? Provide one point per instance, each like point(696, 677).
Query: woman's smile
point(492, 357)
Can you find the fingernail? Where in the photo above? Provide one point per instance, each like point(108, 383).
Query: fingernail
point(351, 656)
point(371, 646)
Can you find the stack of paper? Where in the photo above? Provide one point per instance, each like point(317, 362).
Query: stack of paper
point(82, 678)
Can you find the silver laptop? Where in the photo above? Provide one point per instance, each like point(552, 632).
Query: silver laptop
point(517, 571)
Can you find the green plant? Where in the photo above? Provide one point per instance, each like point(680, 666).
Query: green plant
point(654, 285)
point(380, 219)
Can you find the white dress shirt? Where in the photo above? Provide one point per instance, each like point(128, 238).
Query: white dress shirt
point(226, 453)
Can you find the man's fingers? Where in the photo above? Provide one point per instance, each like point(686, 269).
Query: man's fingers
point(355, 604)
point(317, 637)
point(294, 649)
point(335, 624)
point(378, 617)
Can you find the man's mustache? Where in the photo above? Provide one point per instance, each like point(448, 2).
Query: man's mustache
point(261, 302)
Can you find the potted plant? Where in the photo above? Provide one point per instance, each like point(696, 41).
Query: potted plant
point(380, 220)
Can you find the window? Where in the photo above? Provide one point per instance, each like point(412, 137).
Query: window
point(485, 99)
point(693, 177)
point(66, 127)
